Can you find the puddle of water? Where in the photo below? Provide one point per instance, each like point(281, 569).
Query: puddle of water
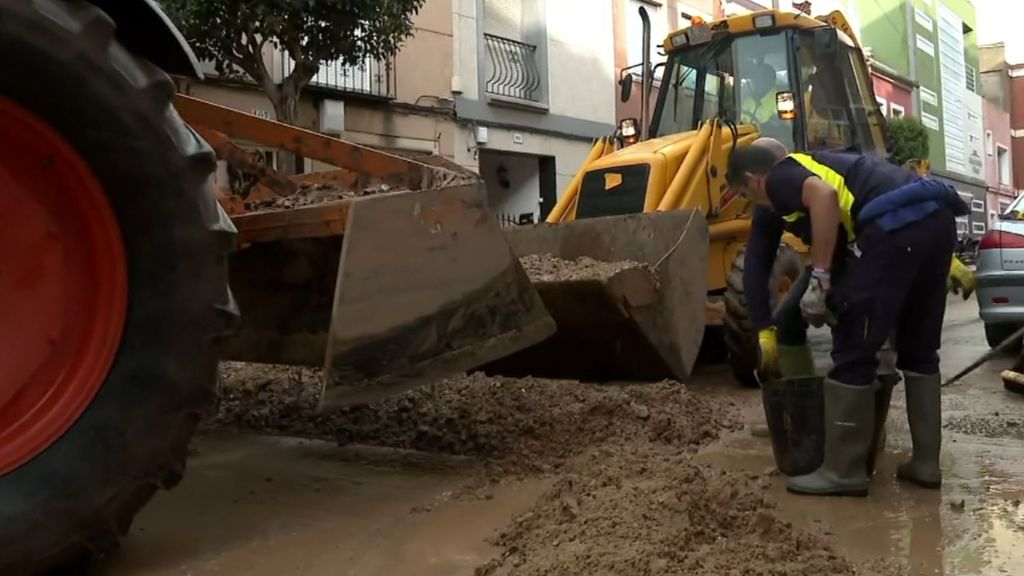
point(270, 506)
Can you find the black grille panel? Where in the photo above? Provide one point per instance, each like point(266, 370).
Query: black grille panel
point(613, 191)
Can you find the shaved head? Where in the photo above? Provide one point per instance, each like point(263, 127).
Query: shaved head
point(777, 148)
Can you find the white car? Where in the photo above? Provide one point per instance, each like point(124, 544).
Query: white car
point(999, 276)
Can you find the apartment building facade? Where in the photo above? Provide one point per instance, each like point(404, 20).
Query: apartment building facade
point(533, 84)
point(516, 90)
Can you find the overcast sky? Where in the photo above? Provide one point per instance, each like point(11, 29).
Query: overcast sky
point(1000, 21)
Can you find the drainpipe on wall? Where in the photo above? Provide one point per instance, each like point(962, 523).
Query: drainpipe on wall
point(456, 82)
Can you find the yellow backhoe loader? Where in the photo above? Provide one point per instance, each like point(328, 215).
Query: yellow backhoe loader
point(798, 79)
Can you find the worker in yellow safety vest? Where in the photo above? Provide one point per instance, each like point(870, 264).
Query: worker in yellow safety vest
point(758, 104)
point(887, 238)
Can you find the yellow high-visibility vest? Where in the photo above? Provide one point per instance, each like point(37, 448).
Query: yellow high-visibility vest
point(833, 179)
point(754, 112)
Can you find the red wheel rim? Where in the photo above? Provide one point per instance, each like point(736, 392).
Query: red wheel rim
point(63, 286)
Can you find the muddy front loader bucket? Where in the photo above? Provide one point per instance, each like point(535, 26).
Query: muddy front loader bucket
point(428, 286)
point(627, 293)
point(387, 292)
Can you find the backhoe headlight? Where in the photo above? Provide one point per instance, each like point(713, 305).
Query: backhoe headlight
point(627, 126)
point(785, 104)
point(764, 21)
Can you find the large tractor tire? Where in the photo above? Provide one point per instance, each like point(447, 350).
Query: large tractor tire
point(113, 284)
point(740, 336)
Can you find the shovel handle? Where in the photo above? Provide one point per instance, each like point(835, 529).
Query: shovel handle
point(1002, 347)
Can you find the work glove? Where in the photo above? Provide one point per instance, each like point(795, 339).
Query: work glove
point(961, 279)
point(813, 304)
point(768, 359)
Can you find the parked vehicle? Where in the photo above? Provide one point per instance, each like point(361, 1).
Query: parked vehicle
point(999, 275)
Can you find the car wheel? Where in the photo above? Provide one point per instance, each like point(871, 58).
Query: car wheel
point(995, 334)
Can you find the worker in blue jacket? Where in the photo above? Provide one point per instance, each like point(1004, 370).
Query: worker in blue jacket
point(881, 242)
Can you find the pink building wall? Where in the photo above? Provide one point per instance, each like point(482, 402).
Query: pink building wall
point(893, 93)
point(997, 124)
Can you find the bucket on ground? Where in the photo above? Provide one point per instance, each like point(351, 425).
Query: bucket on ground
point(795, 411)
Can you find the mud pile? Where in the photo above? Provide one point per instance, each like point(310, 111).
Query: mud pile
point(548, 268)
point(519, 426)
point(640, 508)
point(627, 497)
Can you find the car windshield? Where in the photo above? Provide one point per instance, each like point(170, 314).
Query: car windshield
point(735, 78)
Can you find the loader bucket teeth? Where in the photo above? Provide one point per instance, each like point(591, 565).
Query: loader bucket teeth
point(642, 321)
point(427, 286)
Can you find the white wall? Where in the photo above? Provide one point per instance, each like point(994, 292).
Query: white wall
point(994, 26)
point(974, 152)
point(581, 59)
point(522, 194)
point(464, 67)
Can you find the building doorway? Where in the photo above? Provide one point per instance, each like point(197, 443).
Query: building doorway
point(520, 187)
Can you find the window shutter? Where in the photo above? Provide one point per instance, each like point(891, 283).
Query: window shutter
point(504, 18)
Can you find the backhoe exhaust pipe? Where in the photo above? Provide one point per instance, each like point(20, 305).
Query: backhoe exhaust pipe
point(645, 78)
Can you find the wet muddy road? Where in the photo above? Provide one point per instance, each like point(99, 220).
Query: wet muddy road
point(263, 505)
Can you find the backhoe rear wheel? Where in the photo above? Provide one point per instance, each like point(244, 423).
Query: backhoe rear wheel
point(113, 284)
point(740, 336)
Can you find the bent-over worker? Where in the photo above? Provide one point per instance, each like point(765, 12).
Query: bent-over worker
point(782, 338)
point(886, 237)
point(782, 334)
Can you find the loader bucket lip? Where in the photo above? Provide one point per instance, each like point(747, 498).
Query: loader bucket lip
point(63, 286)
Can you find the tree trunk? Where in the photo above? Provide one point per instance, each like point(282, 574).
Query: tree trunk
point(285, 98)
point(286, 110)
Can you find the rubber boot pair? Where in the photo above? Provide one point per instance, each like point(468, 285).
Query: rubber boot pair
point(924, 413)
point(849, 429)
point(849, 432)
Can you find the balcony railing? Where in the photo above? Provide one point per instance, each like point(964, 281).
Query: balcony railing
point(514, 72)
point(373, 78)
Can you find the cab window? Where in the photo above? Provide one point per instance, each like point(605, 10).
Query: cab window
point(735, 78)
point(835, 99)
point(680, 108)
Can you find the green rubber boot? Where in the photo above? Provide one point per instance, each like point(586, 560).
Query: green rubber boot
point(796, 361)
point(924, 413)
point(849, 419)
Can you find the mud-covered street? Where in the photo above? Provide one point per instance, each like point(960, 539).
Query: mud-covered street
point(495, 476)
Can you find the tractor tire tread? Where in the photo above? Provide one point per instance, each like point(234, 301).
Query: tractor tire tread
point(79, 38)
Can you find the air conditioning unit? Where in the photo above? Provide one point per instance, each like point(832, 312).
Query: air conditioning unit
point(332, 117)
